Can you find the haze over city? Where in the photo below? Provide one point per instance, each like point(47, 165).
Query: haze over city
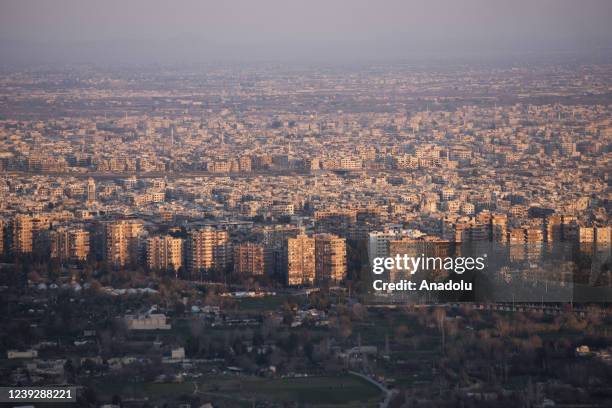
point(187, 31)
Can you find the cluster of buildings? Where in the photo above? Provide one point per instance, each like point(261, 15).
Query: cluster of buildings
point(286, 253)
point(212, 178)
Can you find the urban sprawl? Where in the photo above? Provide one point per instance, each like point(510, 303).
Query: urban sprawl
point(188, 193)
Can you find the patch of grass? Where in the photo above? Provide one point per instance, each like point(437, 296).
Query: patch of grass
point(140, 390)
point(263, 303)
point(321, 391)
point(330, 391)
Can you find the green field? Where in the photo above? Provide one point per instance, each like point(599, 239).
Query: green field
point(341, 390)
point(106, 389)
point(265, 303)
point(331, 391)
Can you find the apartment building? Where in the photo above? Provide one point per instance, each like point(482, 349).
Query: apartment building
point(300, 260)
point(330, 258)
point(122, 242)
point(249, 259)
point(208, 248)
point(164, 253)
point(69, 244)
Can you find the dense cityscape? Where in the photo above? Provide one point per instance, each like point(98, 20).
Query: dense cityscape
point(205, 234)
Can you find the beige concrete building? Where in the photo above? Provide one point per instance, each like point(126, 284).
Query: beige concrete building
point(586, 234)
point(122, 242)
point(22, 234)
point(154, 321)
point(164, 253)
point(426, 247)
point(499, 227)
point(554, 228)
point(300, 258)
point(69, 244)
point(330, 258)
point(91, 191)
point(208, 248)
point(603, 234)
point(249, 259)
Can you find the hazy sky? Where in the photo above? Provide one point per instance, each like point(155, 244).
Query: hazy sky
point(169, 31)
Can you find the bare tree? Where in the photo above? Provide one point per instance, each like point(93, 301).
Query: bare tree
point(440, 317)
